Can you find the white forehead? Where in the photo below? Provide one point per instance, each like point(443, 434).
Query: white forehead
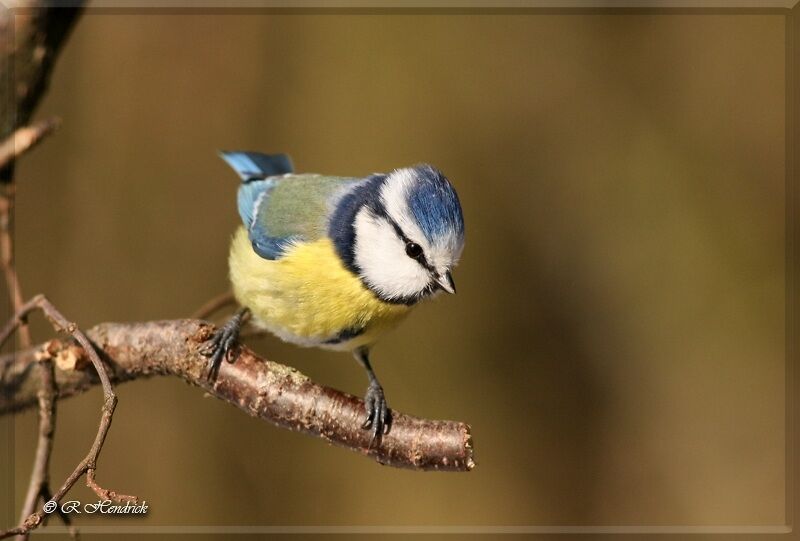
point(394, 196)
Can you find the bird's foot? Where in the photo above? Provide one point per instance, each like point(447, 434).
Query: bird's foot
point(223, 344)
point(379, 416)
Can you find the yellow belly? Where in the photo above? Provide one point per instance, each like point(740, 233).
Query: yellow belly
point(307, 296)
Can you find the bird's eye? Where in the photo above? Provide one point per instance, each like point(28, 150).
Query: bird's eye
point(413, 250)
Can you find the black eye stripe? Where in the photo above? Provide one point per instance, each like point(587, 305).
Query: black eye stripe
point(421, 259)
point(397, 229)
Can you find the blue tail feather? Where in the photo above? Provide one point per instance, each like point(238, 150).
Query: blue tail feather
point(254, 165)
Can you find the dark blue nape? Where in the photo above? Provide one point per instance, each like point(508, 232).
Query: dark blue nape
point(342, 225)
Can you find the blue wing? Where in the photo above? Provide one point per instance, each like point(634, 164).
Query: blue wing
point(252, 197)
point(279, 209)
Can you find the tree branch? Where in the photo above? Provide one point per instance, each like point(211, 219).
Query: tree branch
point(31, 35)
point(89, 464)
point(261, 388)
point(24, 139)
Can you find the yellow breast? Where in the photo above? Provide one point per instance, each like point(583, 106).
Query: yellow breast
point(307, 296)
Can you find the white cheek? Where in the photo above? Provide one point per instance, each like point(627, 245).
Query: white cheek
point(381, 256)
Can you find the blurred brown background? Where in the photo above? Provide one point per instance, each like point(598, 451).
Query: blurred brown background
point(617, 342)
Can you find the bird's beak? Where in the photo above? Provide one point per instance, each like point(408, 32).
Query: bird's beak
point(445, 282)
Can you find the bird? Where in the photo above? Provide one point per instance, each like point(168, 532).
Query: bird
point(334, 262)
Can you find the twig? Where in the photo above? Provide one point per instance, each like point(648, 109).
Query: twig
point(212, 306)
point(14, 146)
point(47, 495)
point(21, 141)
point(89, 464)
point(7, 200)
point(31, 35)
point(262, 388)
point(24, 139)
point(106, 494)
point(18, 143)
point(47, 406)
point(40, 474)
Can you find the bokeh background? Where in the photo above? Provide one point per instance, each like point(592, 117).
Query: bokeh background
point(617, 342)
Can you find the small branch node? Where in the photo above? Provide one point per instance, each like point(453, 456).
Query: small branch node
point(106, 494)
point(71, 357)
point(32, 521)
point(48, 350)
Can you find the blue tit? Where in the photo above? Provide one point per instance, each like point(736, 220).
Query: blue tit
point(334, 262)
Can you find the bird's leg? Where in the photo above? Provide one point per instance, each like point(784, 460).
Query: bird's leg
point(379, 417)
point(222, 343)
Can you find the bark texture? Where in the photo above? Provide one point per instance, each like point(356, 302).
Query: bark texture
point(260, 387)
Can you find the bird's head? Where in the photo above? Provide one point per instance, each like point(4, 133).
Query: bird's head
point(408, 234)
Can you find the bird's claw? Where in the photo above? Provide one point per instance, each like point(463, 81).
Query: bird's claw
point(379, 416)
point(220, 346)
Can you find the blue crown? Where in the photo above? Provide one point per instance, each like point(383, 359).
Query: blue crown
point(434, 203)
